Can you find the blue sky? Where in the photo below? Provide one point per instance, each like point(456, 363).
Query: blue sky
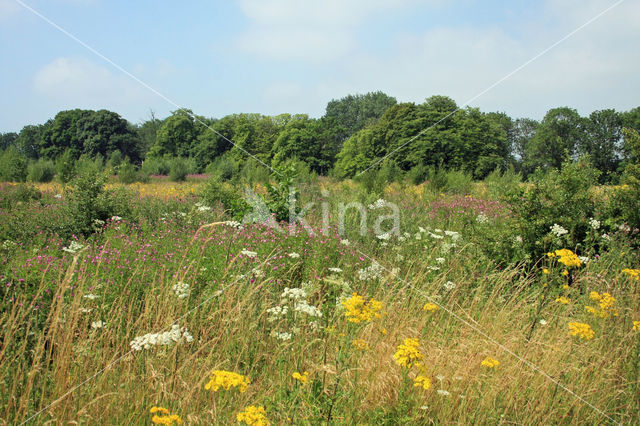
point(275, 56)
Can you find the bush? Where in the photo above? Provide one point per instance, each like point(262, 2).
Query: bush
point(41, 171)
point(223, 168)
point(13, 166)
point(437, 179)
point(12, 195)
point(254, 172)
point(65, 166)
point(500, 184)
point(216, 192)
point(418, 174)
point(179, 170)
point(624, 204)
point(157, 166)
point(115, 159)
point(127, 173)
point(458, 182)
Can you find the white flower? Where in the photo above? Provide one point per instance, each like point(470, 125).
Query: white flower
point(233, 224)
point(295, 294)
point(399, 257)
point(384, 236)
point(85, 310)
point(378, 204)
point(58, 196)
point(204, 208)
point(421, 229)
point(257, 272)
point(418, 236)
point(115, 218)
point(440, 377)
point(310, 310)
point(293, 255)
point(558, 230)
point(449, 285)
point(277, 312)
point(443, 392)
point(482, 218)
point(440, 260)
point(91, 296)
point(282, 336)
point(345, 242)
point(248, 253)
point(97, 324)
point(177, 334)
point(73, 247)
point(433, 268)
point(595, 224)
point(436, 236)
point(606, 237)
point(542, 322)
point(335, 270)
point(371, 272)
point(584, 259)
point(518, 239)
point(181, 290)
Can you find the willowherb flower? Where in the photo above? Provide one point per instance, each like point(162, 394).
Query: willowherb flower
point(357, 309)
point(248, 253)
point(73, 248)
point(581, 330)
point(177, 334)
point(408, 353)
point(490, 362)
point(181, 290)
point(226, 380)
point(595, 224)
point(253, 415)
point(558, 230)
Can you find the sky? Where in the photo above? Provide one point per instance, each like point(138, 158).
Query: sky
point(276, 56)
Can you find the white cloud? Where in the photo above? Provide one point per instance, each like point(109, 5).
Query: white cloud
point(80, 83)
point(317, 32)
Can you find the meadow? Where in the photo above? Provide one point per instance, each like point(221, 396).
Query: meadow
point(168, 310)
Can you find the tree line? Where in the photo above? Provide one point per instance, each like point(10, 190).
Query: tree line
point(356, 133)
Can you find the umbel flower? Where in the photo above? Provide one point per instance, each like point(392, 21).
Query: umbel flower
point(163, 417)
point(408, 353)
point(227, 380)
point(357, 309)
point(253, 415)
point(581, 330)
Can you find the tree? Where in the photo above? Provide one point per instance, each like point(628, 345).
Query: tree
point(524, 129)
point(176, 136)
point(7, 140)
point(602, 141)
point(558, 135)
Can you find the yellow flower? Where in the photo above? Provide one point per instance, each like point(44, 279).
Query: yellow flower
point(594, 295)
point(429, 307)
point(422, 381)
point(361, 345)
point(633, 273)
point(164, 418)
point(636, 325)
point(568, 258)
point(563, 300)
point(565, 273)
point(581, 330)
point(551, 255)
point(545, 271)
point(490, 362)
point(408, 353)
point(302, 378)
point(253, 415)
point(226, 380)
point(359, 310)
point(606, 303)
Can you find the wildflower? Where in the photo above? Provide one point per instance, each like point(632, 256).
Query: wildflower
point(408, 353)
point(545, 271)
point(594, 295)
point(181, 290)
point(422, 381)
point(443, 392)
point(357, 309)
point(91, 296)
point(164, 418)
point(440, 260)
point(568, 258)
point(542, 322)
point(449, 285)
point(384, 237)
point(310, 310)
point(551, 255)
point(606, 305)
point(482, 218)
point(565, 273)
point(345, 242)
point(563, 300)
point(253, 415)
point(294, 294)
point(177, 334)
point(248, 253)
point(581, 330)
point(302, 378)
point(97, 324)
point(371, 272)
point(490, 362)
point(595, 224)
point(73, 248)
point(227, 380)
point(378, 204)
point(636, 325)
point(361, 345)
point(558, 230)
point(276, 312)
point(284, 336)
point(233, 224)
point(335, 270)
point(429, 307)
point(633, 273)
point(293, 255)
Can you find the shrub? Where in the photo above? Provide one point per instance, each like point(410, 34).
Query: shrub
point(223, 168)
point(216, 192)
point(417, 174)
point(115, 158)
point(500, 184)
point(179, 170)
point(157, 166)
point(87, 165)
point(254, 172)
point(624, 203)
point(65, 166)
point(12, 195)
point(127, 173)
point(13, 166)
point(437, 179)
point(41, 171)
point(458, 182)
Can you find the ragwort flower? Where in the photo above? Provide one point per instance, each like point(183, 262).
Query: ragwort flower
point(408, 353)
point(227, 379)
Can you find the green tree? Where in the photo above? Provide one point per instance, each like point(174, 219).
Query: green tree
point(353, 112)
point(603, 140)
point(176, 136)
point(13, 165)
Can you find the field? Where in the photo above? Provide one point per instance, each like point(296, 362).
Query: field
point(175, 313)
